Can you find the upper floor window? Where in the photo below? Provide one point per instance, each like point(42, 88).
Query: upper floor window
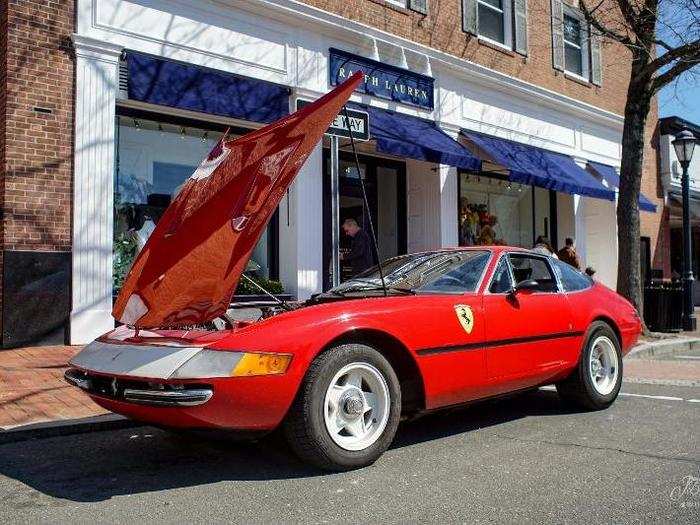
point(420, 6)
point(503, 22)
point(575, 48)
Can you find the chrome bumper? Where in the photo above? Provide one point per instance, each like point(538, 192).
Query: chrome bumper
point(144, 395)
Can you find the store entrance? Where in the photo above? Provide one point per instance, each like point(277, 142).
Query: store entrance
point(385, 182)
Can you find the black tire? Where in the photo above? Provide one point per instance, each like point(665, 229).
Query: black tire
point(578, 389)
point(305, 428)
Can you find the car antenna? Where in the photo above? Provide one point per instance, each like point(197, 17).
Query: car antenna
point(364, 196)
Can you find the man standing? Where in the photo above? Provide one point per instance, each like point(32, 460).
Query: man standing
point(360, 256)
point(568, 254)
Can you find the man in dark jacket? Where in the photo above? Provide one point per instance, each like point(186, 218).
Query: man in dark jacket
point(568, 254)
point(360, 256)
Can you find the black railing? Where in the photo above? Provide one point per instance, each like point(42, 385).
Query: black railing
point(663, 307)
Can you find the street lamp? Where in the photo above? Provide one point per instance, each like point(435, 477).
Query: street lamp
point(684, 144)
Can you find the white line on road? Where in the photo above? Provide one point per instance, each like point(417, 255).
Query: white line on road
point(552, 388)
point(687, 357)
point(664, 398)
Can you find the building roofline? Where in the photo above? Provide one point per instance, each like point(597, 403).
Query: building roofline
point(674, 124)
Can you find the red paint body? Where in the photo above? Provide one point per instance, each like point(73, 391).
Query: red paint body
point(489, 365)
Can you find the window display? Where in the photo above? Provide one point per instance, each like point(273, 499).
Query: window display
point(154, 159)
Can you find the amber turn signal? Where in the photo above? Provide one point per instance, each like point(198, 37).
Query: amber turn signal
point(252, 364)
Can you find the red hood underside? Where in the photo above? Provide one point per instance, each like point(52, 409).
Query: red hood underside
point(192, 262)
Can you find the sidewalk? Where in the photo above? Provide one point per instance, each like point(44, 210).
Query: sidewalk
point(32, 389)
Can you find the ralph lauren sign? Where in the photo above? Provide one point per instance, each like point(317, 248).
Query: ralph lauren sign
point(383, 80)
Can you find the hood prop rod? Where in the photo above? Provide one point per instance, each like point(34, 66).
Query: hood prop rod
point(364, 196)
point(282, 303)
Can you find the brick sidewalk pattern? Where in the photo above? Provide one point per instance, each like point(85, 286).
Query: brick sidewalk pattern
point(32, 388)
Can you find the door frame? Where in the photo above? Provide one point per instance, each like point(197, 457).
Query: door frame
point(372, 163)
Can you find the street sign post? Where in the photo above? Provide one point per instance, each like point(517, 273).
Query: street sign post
point(357, 123)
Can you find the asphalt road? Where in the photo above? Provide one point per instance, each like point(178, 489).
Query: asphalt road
point(524, 459)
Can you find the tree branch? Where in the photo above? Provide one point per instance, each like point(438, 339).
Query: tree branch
point(689, 51)
point(598, 26)
point(674, 72)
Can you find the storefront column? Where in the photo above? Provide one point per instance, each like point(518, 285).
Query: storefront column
point(96, 90)
point(301, 230)
point(449, 201)
point(580, 228)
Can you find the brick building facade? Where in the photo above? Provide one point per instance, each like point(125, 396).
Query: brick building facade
point(60, 96)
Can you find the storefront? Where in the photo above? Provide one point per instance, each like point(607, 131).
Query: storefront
point(151, 103)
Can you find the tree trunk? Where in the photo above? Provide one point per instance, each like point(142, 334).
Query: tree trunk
point(637, 107)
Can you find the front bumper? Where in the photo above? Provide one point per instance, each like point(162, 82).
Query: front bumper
point(142, 392)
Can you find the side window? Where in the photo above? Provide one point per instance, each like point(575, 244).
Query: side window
point(460, 275)
point(526, 267)
point(571, 279)
point(501, 281)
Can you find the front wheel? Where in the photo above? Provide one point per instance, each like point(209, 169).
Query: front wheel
point(596, 382)
point(347, 410)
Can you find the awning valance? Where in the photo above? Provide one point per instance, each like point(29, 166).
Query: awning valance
point(166, 82)
point(539, 167)
point(609, 174)
point(415, 138)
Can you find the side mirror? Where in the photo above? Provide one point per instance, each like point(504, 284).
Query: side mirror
point(527, 284)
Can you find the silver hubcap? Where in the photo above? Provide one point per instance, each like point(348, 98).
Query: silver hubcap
point(603, 365)
point(356, 407)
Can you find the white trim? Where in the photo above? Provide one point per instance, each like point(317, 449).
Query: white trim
point(339, 27)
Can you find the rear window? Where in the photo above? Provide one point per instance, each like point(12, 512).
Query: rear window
point(571, 279)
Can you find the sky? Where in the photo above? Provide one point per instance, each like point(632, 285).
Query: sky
point(681, 100)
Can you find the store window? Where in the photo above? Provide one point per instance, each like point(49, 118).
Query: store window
point(154, 159)
point(493, 210)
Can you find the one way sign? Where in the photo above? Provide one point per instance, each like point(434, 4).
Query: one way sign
point(359, 123)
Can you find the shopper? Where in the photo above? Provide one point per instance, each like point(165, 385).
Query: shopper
point(568, 254)
point(542, 246)
point(360, 256)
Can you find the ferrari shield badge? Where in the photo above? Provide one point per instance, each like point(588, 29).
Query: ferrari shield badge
point(465, 317)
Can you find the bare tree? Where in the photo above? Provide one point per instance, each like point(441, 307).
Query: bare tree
point(663, 37)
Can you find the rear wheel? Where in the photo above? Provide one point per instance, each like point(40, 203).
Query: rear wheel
point(596, 382)
point(347, 410)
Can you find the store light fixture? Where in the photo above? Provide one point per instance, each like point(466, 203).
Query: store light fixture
point(182, 133)
point(137, 124)
point(205, 136)
point(160, 128)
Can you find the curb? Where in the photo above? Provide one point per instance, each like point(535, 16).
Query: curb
point(66, 427)
point(664, 347)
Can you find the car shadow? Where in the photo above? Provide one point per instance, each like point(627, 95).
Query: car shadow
point(100, 465)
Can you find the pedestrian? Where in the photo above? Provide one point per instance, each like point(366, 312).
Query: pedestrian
point(360, 255)
point(568, 254)
point(542, 246)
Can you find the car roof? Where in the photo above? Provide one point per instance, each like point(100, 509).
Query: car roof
point(497, 249)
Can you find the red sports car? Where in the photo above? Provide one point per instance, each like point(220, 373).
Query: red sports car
point(340, 370)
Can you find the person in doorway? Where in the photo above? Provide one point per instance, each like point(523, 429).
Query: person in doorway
point(542, 246)
point(360, 256)
point(568, 254)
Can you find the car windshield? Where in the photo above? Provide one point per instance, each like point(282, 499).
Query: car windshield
point(434, 272)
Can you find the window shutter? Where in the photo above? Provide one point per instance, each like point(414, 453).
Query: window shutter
point(520, 15)
point(469, 23)
point(596, 58)
point(420, 6)
point(558, 34)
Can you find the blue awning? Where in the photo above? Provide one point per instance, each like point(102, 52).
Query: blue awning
point(195, 88)
point(415, 138)
point(539, 167)
point(609, 174)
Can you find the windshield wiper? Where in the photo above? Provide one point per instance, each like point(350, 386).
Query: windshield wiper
point(405, 291)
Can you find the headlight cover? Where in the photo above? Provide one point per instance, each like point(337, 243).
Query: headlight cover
point(225, 363)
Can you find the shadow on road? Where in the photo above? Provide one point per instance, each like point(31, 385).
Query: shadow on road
point(97, 466)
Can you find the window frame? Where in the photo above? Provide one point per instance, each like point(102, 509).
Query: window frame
point(584, 46)
point(503, 257)
point(545, 260)
point(506, 12)
point(559, 276)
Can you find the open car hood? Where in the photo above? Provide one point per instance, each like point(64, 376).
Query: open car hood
point(190, 266)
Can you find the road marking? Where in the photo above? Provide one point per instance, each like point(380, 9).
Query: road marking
point(552, 388)
point(664, 398)
point(687, 357)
